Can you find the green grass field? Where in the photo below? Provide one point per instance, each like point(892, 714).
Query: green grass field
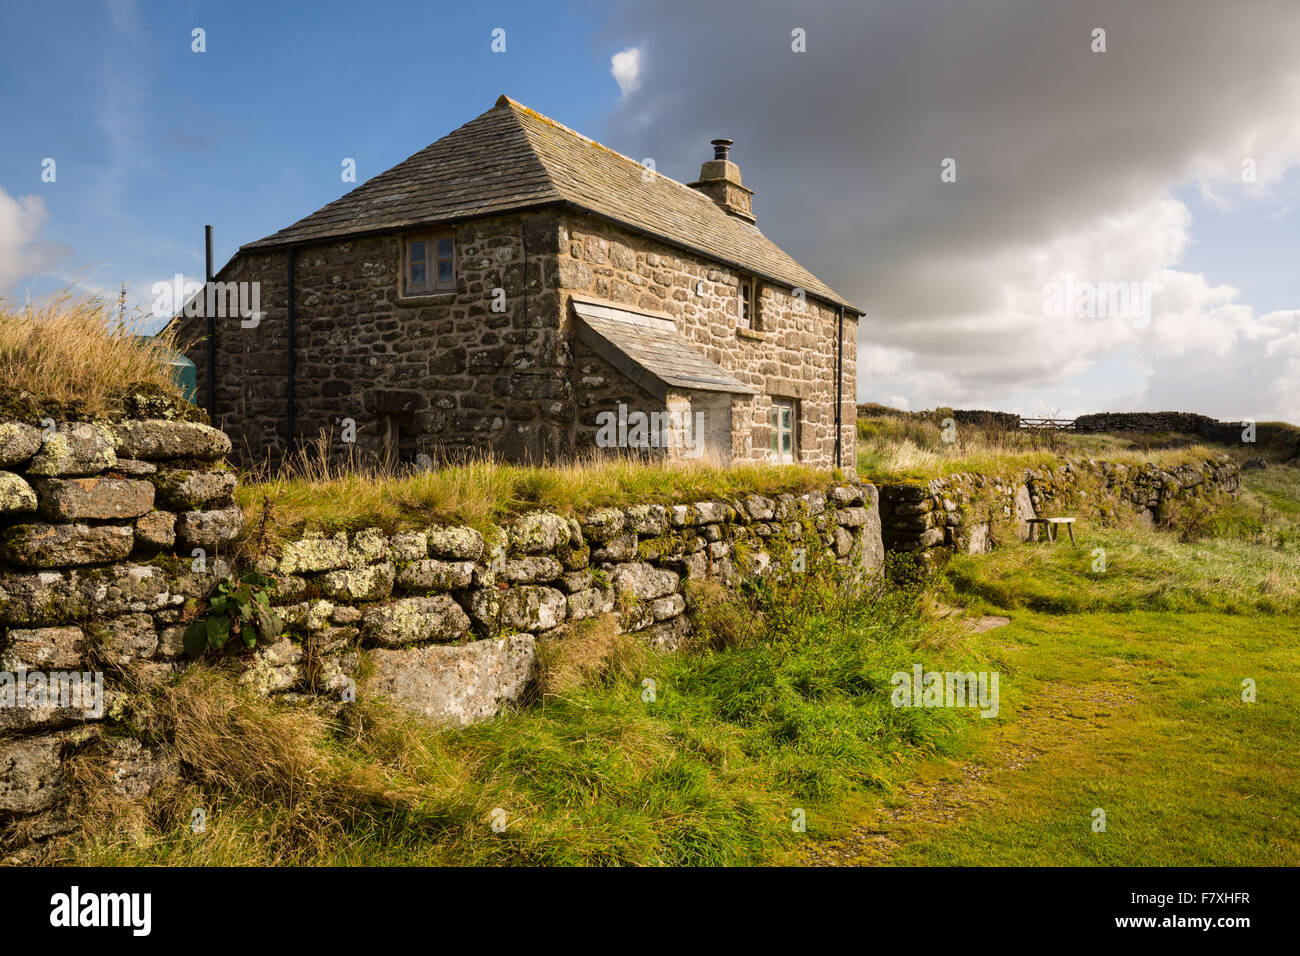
point(772, 740)
point(1122, 691)
point(1138, 714)
point(779, 714)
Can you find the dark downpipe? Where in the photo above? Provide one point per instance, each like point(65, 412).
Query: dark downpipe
point(290, 423)
point(211, 328)
point(839, 382)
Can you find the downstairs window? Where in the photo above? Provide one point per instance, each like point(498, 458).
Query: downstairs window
point(785, 438)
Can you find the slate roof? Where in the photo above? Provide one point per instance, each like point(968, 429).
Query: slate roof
point(512, 158)
point(650, 352)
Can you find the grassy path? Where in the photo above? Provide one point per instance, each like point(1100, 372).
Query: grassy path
point(1139, 714)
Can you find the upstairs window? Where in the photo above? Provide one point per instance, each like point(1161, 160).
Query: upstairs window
point(785, 437)
point(746, 304)
point(429, 263)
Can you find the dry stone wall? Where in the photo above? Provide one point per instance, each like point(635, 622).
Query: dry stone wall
point(1151, 422)
point(449, 619)
point(92, 516)
point(114, 534)
point(971, 513)
point(1276, 435)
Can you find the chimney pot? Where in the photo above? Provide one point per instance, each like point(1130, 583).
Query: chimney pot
point(720, 181)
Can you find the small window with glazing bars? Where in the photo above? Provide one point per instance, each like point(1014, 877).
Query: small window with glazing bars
point(429, 263)
point(785, 431)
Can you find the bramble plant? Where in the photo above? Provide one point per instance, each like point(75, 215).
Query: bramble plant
point(236, 608)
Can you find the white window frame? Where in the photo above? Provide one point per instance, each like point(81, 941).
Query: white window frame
point(431, 284)
point(784, 423)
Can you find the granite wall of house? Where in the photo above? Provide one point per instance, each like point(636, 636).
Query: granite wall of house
point(464, 377)
point(791, 354)
point(466, 370)
point(598, 388)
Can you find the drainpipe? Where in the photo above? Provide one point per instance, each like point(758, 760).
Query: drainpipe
point(211, 348)
point(839, 381)
point(289, 312)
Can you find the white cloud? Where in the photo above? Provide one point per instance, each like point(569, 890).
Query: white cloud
point(1199, 348)
point(626, 69)
point(22, 254)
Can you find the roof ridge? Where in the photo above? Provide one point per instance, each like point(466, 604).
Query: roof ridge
point(516, 107)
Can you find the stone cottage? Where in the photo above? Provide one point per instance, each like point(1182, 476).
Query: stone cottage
point(520, 289)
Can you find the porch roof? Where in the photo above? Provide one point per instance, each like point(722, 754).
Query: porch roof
point(649, 351)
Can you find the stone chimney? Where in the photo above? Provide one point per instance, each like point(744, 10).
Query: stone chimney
point(720, 181)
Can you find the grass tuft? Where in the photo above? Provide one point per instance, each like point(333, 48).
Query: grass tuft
point(74, 351)
point(317, 492)
point(594, 654)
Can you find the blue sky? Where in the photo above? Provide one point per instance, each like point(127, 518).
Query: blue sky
point(1120, 166)
point(153, 140)
point(1255, 246)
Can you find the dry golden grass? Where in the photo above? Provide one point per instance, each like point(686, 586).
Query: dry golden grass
point(723, 619)
point(291, 793)
point(907, 449)
point(78, 350)
point(317, 492)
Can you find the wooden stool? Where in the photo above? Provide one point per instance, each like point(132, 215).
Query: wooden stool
point(1050, 524)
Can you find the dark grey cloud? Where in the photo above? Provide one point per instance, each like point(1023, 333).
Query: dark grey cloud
point(843, 145)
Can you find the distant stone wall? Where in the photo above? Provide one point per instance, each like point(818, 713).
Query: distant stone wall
point(1151, 422)
point(986, 420)
point(964, 416)
point(1276, 436)
point(114, 534)
point(971, 513)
